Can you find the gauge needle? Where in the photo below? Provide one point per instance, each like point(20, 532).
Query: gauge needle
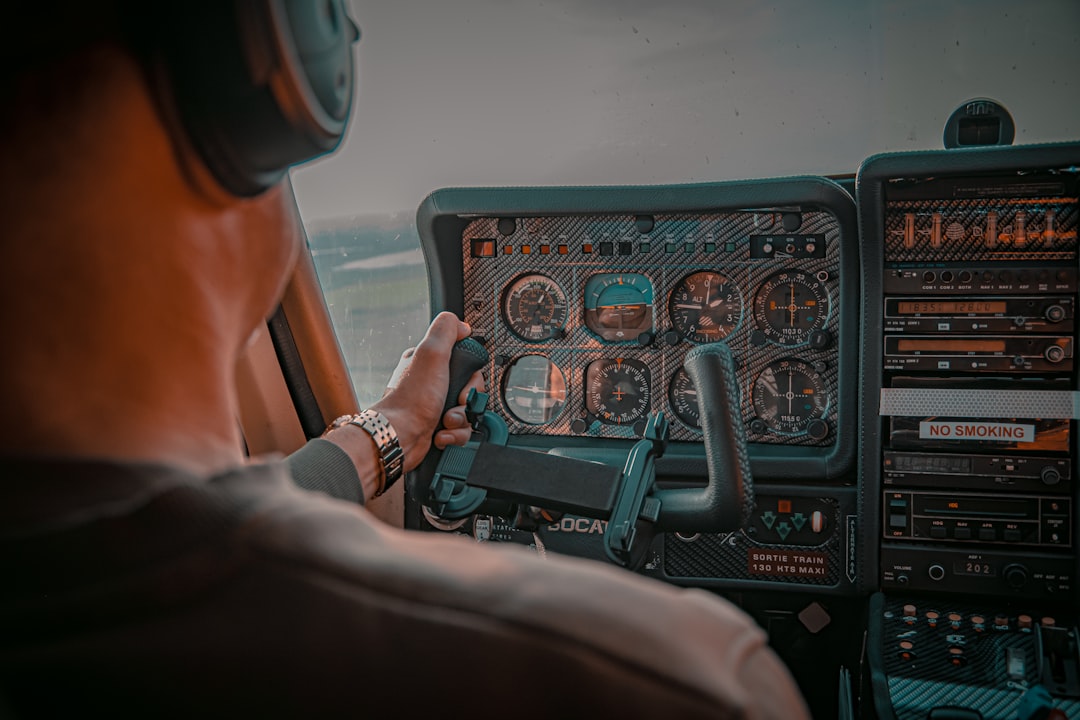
point(792, 306)
point(687, 306)
point(790, 389)
point(716, 302)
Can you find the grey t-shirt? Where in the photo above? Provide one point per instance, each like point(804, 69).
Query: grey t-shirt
point(144, 590)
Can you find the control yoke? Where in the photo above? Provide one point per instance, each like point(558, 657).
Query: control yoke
point(515, 483)
point(727, 502)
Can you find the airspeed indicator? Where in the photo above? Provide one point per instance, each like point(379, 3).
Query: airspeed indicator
point(534, 307)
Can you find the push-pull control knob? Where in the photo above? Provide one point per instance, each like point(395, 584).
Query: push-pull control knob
point(1054, 313)
point(1054, 353)
point(1015, 575)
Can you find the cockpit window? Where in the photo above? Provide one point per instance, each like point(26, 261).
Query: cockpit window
point(563, 92)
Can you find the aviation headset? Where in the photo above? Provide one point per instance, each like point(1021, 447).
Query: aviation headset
point(257, 85)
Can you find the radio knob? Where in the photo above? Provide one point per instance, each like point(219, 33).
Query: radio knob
point(1055, 313)
point(1015, 575)
point(1054, 353)
point(1050, 475)
point(936, 573)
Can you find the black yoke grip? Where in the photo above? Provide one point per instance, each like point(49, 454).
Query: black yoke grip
point(727, 502)
point(466, 358)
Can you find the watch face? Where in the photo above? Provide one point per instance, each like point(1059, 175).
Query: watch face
point(342, 421)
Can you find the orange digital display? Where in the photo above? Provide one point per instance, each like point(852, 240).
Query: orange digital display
point(951, 307)
point(957, 346)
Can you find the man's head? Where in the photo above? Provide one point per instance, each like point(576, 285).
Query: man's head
point(145, 227)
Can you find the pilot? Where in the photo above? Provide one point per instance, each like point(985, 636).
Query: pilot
point(148, 567)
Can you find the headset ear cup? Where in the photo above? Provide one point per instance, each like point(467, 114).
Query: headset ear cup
point(259, 85)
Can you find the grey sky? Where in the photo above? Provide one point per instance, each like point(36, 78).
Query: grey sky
point(513, 92)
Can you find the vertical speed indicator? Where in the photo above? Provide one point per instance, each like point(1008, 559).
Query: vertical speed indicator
point(683, 398)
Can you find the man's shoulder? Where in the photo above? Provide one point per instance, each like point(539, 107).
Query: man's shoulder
point(249, 587)
point(503, 600)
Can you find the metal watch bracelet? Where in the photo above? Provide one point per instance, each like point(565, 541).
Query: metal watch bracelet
point(391, 456)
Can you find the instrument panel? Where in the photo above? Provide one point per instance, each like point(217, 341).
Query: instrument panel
point(588, 318)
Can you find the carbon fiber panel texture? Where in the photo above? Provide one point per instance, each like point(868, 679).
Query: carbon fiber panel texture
point(742, 555)
point(981, 229)
point(707, 241)
point(942, 656)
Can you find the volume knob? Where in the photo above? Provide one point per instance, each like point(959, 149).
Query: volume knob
point(1050, 475)
point(1015, 575)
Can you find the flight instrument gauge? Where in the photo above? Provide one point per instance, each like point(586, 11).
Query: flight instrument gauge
point(789, 396)
point(534, 390)
point(534, 307)
point(705, 306)
point(791, 305)
point(618, 306)
point(683, 397)
point(617, 391)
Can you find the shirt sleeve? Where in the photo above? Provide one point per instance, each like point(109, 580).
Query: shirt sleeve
point(324, 467)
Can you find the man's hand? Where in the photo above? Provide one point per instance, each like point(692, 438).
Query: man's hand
point(417, 392)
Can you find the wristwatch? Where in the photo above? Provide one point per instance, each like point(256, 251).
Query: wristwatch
point(391, 456)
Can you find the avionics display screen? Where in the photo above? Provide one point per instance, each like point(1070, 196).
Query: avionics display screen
point(951, 307)
point(966, 345)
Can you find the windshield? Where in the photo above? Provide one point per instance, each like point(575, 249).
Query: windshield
point(565, 92)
